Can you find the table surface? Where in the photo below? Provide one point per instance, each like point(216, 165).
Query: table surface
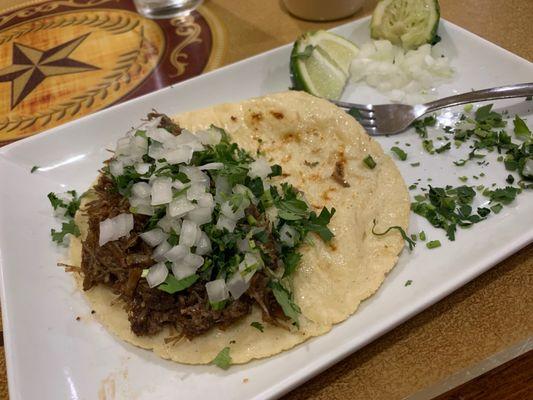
point(484, 317)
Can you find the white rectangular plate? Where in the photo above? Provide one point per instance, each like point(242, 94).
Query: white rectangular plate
point(52, 356)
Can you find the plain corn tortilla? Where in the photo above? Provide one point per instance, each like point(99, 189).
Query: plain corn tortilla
point(308, 137)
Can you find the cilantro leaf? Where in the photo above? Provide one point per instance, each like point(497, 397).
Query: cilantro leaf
point(369, 162)
point(421, 125)
point(69, 227)
point(284, 299)
point(409, 241)
point(258, 326)
point(319, 224)
point(291, 261)
point(223, 359)
point(34, 168)
point(402, 155)
point(520, 128)
point(433, 244)
point(173, 285)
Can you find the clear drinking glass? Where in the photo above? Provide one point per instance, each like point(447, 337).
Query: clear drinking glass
point(165, 8)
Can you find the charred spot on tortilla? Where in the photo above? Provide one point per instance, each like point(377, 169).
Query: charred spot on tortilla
point(256, 116)
point(338, 174)
point(209, 328)
point(291, 137)
point(311, 164)
point(277, 114)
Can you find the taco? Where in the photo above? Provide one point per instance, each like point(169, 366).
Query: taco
point(255, 233)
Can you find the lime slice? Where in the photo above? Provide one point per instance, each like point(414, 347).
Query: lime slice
point(320, 63)
point(407, 23)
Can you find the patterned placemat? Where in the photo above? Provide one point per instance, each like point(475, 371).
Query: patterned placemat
point(63, 59)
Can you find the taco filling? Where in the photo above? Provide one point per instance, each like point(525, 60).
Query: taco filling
point(190, 231)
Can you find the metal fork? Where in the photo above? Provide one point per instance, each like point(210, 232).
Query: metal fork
point(390, 119)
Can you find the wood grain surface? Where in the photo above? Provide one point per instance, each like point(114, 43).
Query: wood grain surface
point(484, 317)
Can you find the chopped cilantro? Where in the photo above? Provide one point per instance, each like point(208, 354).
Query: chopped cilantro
point(509, 179)
point(520, 128)
point(421, 125)
point(463, 178)
point(408, 282)
point(503, 195)
point(422, 236)
point(496, 208)
point(428, 146)
point(70, 208)
point(448, 208)
point(415, 164)
point(409, 241)
point(284, 299)
point(223, 359)
point(443, 148)
point(433, 244)
point(173, 285)
point(258, 326)
point(69, 227)
point(402, 155)
point(369, 162)
point(34, 168)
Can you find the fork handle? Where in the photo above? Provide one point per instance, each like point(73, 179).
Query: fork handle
point(502, 92)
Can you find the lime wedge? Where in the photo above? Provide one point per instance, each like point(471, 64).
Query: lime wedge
point(320, 63)
point(407, 23)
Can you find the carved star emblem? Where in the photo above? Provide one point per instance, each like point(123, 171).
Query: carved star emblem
point(31, 66)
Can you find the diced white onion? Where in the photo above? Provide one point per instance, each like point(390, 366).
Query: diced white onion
point(243, 245)
point(272, 215)
point(200, 215)
point(187, 266)
point(116, 168)
point(210, 166)
point(225, 222)
point(195, 175)
point(288, 235)
point(160, 135)
point(223, 189)
point(168, 224)
point(182, 154)
point(237, 286)
point(189, 233)
point(156, 150)
point(217, 290)
point(123, 147)
point(528, 168)
point(209, 137)
point(179, 207)
point(159, 252)
point(161, 191)
point(157, 274)
point(154, 237)
point(206, 200)
point(177, 253)
point(404, 76)
point(142, 168)
point(115, 228)
point(141, 189)
point(250, 262)
point(196, 190)
point(186, 138)
point(203, 245)
point(259, 168)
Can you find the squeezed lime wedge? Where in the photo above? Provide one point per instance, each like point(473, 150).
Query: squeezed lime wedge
point(320, 63)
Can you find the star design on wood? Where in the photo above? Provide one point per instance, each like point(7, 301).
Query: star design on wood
point(31, 66)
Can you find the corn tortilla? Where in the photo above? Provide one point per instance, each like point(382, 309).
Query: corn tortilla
point(309, 137)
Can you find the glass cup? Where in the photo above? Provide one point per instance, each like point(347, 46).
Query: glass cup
point(323, 10)
point(165, 8)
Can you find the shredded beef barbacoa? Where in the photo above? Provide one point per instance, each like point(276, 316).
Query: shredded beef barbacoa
point(119, 264)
